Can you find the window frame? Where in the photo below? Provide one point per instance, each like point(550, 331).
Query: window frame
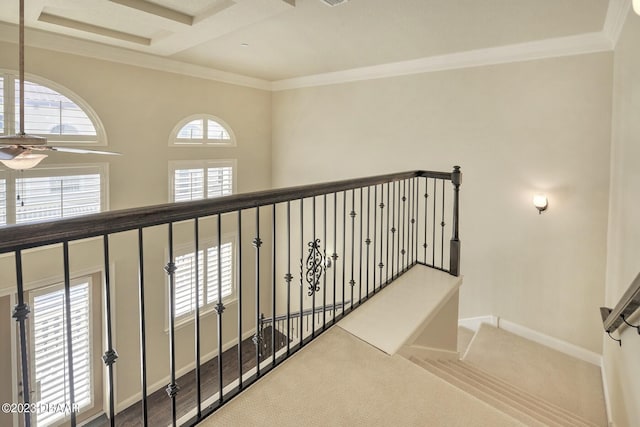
point(206, 308)
point(174, 141)
point(10, 112)
point(176, 165)
point(95, 342)
point(10, 177)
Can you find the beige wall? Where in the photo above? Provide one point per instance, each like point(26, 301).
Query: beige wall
point(139, 108)
point(515, 129)
point(621, 363)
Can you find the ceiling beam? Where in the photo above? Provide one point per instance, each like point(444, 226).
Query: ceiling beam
point(157, 10)
point(90, 28)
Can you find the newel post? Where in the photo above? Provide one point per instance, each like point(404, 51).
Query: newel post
point(454, 247)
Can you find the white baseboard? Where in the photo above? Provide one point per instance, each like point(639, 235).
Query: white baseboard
point(551, 342)
point(124, 404)
point(607, 401)
point(589, 356)
point(474, 323)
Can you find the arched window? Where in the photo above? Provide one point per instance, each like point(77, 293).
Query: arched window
point(202, 129)
point(50, 111)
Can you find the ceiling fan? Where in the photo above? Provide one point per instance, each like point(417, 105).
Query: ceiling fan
point(22, 151)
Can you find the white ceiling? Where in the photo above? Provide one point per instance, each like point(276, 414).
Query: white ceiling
point(293, 38)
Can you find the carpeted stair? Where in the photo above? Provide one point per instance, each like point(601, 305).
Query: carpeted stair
point(532, 383)
point(523, 406)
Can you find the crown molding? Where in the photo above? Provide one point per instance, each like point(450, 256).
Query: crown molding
point(616, 17)
point(550, 48)
point(64, 44)
point(601, 41)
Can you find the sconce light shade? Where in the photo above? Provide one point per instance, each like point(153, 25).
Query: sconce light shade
point(540, 202)
point(636, 6)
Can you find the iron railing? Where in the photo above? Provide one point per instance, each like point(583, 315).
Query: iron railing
point(320, 249)
point(612, 319)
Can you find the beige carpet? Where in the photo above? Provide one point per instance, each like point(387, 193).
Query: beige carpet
point(567, 382)
point(464, 339)
point(339, 380)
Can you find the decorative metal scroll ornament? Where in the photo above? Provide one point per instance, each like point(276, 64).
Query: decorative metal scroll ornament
point(315, 267)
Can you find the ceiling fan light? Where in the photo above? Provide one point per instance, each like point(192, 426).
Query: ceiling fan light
point(24, 161)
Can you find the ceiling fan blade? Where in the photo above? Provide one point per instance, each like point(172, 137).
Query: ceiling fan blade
point(8, 153)
point(82, 151)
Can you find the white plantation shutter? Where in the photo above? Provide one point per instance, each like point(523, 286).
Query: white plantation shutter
point(195, 180)
point(49, 341)
point(192, 130)
point(216, 131)
point(42, 198)
point(219, 181)
point(3, 202)
point(185, 281)
point(2, 118)
point(226, 258)
point(48, 112)
point(185, 278)
point(188, 184)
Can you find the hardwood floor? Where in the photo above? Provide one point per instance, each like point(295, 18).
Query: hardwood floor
point(159, 404)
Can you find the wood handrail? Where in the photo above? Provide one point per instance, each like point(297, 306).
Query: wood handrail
point(628, 304)
point(19, 237)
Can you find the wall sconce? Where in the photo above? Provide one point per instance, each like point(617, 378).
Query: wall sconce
point(636, 6)
point(540, 202)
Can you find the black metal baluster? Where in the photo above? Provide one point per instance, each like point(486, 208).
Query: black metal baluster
point(393, 229)
point(375, 220)
point(273, 286)
point(324, 262)
point(454, 248)
point(20, 313)
point(219, 309)
point(387, 279)
point(143, 329)
point(360, 251)
point(257, 338)
point(416, 216)
point(425, 245)
point(368, 241)
point(335, 251)
point(173, 388)
point(433, 237)
point(403, 226)
point(110, 356)
point(442, 224)
point(69, 336)
point(300, 327)
point(313, 290)
point(352, 214)
point(196, 239)
point(239, 275)
point(412, 220)
point(288, 277)
point(344, 243)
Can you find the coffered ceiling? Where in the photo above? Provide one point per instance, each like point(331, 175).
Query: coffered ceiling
point(273, 40)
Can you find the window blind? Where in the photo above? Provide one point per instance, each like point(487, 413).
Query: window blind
point(50, 197)
point(191, 183)
point(216, 131)
point(48, 112)
point(2, 105)
point(188, 184)
point(3, 202)
point(50, 350)
point(219, 181)
point(185, 278)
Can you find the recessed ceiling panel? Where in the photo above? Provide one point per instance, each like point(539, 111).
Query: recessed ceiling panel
point(313, 38)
